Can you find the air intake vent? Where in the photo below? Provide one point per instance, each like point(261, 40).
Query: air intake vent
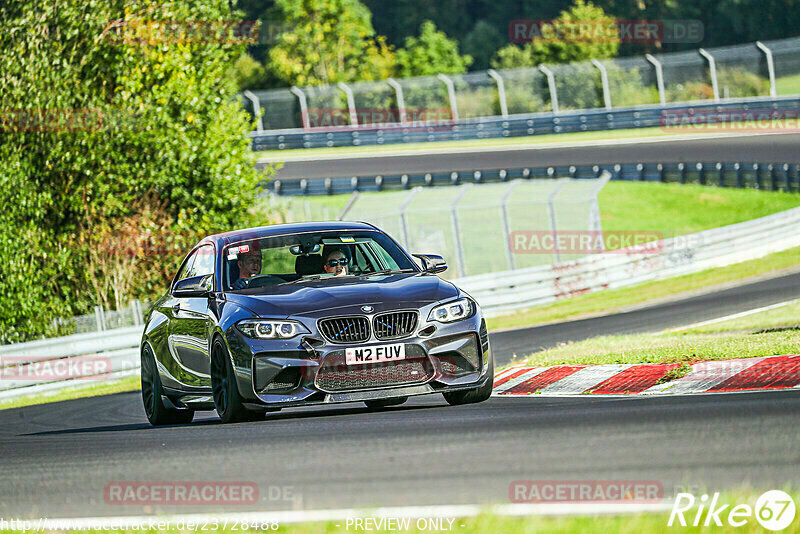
point(345, 329)
point(394, 325)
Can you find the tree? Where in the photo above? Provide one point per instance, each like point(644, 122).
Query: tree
point(482, 43)
point(567, 46)
point(101, 107)
point(329, 41)
point(430, 53)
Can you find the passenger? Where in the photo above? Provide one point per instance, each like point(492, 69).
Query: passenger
point(335, 262)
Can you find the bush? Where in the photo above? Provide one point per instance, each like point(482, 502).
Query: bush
point(95, 128)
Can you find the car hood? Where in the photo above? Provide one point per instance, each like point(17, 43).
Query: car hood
point(309, 298)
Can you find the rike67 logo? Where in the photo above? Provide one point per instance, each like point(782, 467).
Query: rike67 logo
point(774, 510)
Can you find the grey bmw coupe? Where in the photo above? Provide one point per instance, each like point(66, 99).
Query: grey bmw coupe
point(315, 313)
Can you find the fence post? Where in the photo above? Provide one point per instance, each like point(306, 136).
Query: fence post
point(351, 102)
point(256, 109)
point(551, 211)
point(456, 231)
point(507, 224)
point(773, 88)
point(100, 318)
point(662, 94)
point(551, 83)
point(301, 97)
point(604, 79)
point(712, 68)
point(451, 93)
point(501, 91)
point(595, 220)
point(401, 102)
point(136, 308)
point(403, 219)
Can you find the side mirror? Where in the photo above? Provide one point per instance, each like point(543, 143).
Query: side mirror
point(432, 263)
point(196, 286)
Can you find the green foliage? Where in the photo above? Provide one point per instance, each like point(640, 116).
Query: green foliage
point(741, 83)
point(628, 88)
point(329, 41)
point(481, 43)
point(429, 54)
point(248, 73)
point(97, 116)
point(563, 48)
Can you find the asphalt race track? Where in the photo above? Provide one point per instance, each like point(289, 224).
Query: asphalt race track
point(59, 458)
point(777, 148)
point(655, 318)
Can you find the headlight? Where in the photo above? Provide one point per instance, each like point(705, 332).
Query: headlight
point(452, 311)
point(269, 329)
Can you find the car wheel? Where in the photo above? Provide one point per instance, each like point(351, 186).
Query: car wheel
point(383, 403)
point(154, 408)
point(227, 399)
point(472, 396)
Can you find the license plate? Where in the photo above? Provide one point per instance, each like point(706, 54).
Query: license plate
point(375, 354)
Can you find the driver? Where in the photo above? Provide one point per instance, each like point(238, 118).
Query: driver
point(249, 266)
point(335, 262)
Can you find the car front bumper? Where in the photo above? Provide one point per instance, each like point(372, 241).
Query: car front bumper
point(310, 370)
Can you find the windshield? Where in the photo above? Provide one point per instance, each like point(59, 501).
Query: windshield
point(286, 259)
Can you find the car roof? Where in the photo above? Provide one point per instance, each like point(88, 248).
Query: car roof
point(261, 232)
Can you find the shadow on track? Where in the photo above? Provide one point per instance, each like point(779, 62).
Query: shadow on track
point(311, 413)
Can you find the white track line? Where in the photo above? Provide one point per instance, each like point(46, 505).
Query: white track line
point(301, 516)
point(734, 316)
point(510, 148)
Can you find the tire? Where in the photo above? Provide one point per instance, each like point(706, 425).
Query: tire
point(472, 396)
point(227, 399)
point(383, 403)
point(154, 408)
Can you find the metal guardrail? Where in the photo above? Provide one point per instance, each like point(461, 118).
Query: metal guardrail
point(504, 292)
point(56, 363)
point(767, 176)
point(512, 126)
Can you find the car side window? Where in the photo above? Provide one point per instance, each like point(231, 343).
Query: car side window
point(204, 264)
point(186, 270)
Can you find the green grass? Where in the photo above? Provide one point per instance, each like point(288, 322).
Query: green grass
point(678, 209)
point(788, 85)
point(131, 383)
point(768, 333)
point(667, 348)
